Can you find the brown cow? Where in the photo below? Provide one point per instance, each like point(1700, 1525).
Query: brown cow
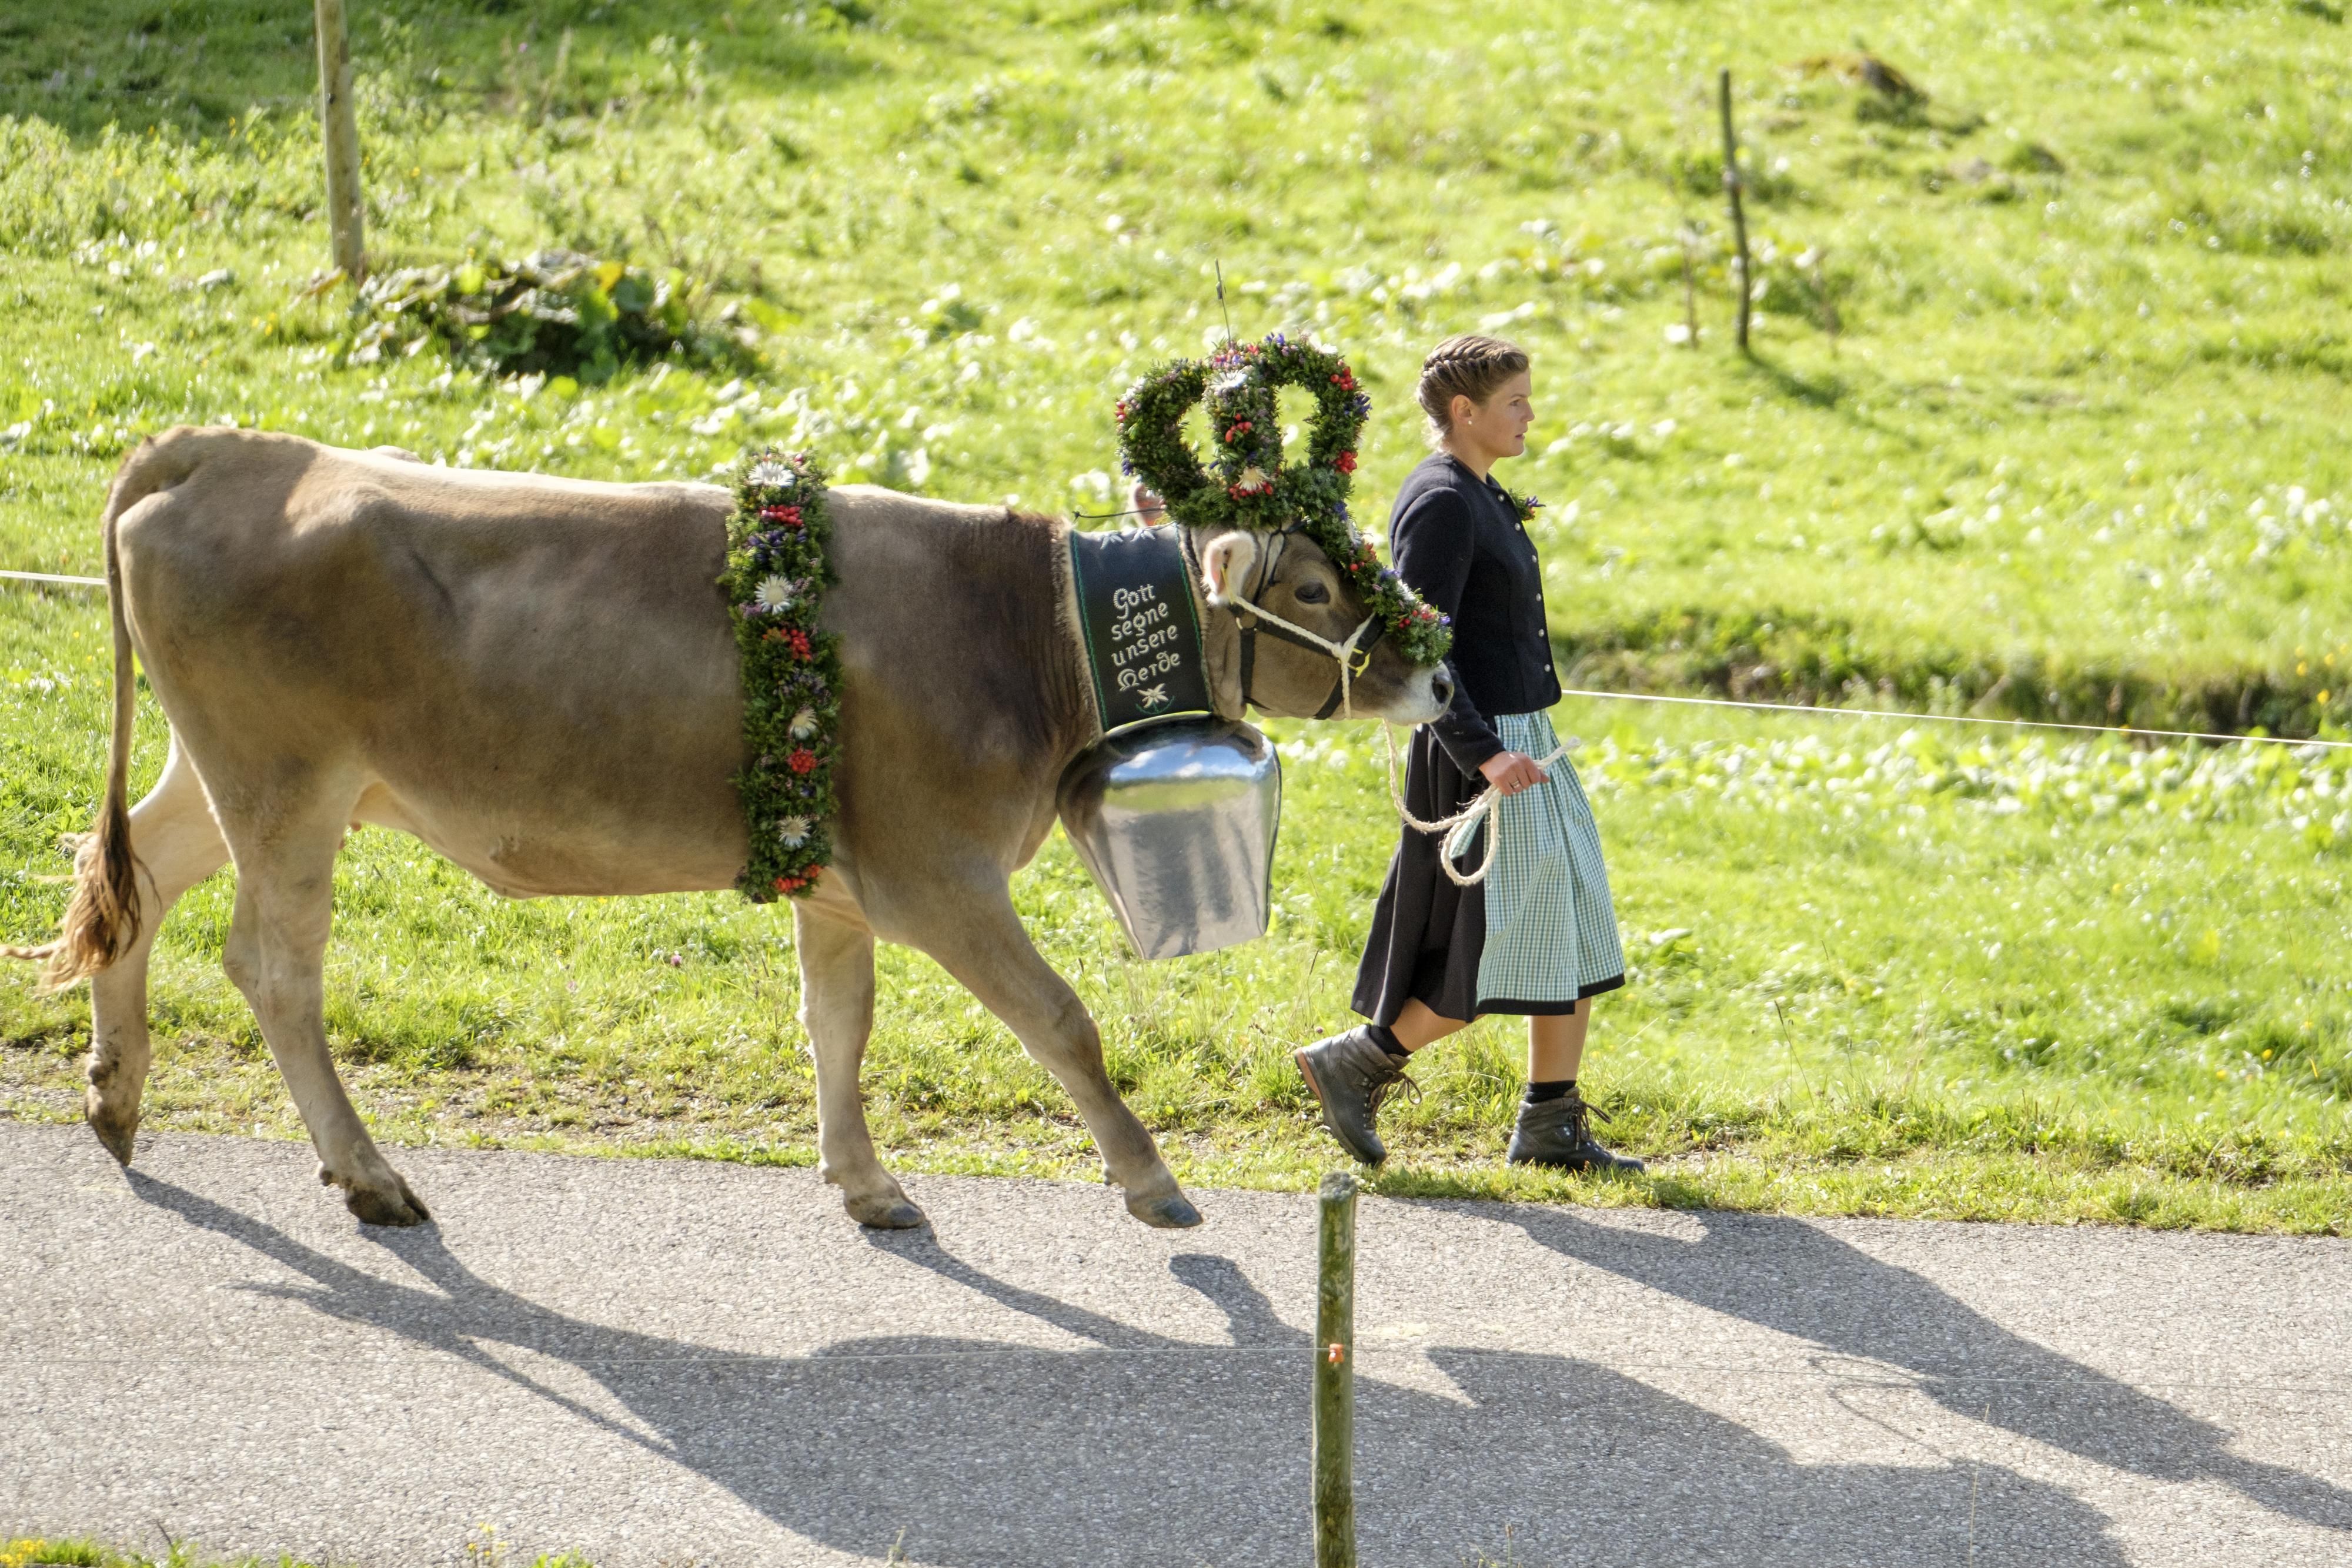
point(537, 676)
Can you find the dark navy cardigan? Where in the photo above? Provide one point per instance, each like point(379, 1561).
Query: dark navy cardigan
point(1458, 542)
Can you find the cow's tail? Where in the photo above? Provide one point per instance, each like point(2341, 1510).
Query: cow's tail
point(101, 919)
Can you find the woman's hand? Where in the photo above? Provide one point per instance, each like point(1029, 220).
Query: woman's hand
point(1512, 771)
point(1148, 507)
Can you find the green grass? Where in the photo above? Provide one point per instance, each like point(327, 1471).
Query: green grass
point(486, 1550)
point(2074, 451)
point(78, 1552)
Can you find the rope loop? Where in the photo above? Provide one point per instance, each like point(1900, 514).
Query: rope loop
point(1460, 826)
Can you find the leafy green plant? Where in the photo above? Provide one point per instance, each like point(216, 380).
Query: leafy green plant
point(555, 312)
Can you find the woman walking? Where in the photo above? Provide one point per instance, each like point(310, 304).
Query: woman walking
point(1539, 935)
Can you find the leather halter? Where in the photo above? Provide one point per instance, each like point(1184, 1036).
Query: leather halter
point(1354, 655)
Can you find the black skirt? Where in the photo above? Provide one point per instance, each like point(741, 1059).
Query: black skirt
point(1428, 935)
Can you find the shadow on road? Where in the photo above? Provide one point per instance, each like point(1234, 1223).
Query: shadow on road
point(1794, 1278)
point(1140, 1449)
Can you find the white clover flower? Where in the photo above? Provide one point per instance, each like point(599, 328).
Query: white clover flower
point(775, 593)
point(793, 831)
point(803, 723)
point(777, 476)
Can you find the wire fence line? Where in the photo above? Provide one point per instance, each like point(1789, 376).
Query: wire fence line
point(2124, 732)
point(54, 577)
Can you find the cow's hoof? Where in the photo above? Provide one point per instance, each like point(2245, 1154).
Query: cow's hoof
point(394, 1205)
point(1173, 1212)
point(115, 1129)
point(884, 1211)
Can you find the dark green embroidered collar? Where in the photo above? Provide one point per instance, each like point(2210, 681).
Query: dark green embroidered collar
point(1140, 625)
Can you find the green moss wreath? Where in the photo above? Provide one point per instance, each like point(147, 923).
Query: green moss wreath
point(1247, 486)
point(777, 572)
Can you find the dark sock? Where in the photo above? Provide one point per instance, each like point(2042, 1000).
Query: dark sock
point(1555, 1089)
point(1386, 1040)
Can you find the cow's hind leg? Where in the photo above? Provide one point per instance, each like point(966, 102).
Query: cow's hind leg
point(980, 940)
point(177, 845)
point(837, 1009)
point(276, 954)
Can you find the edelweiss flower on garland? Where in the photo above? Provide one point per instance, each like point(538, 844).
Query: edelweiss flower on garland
point(777, 570)
point(1247, 484)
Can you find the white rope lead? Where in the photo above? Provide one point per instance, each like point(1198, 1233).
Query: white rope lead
point(2126, 732)
point(1461, 824)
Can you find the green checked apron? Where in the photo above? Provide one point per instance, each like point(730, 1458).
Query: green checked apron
point(1551, 929)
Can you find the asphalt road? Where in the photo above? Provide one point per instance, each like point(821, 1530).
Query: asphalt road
point(657, 1363)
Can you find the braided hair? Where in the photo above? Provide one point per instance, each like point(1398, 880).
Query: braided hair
point(1470, 365)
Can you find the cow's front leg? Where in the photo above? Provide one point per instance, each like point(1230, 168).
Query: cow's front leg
point(836, 954)
point(276, 954)
point(977, 937)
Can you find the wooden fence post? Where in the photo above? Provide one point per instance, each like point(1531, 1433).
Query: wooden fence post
point(1731, 193)
point(1335, 1374)
point(339, 123)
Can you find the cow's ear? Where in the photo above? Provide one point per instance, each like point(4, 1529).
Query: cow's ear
point(1226, 563)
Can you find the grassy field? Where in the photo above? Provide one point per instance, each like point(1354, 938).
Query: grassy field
point(2071, 450)
point(484, 1550)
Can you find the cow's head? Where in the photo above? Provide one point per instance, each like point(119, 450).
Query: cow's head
point(1254, 583)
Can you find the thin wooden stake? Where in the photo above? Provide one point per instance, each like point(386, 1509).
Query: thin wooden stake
point(1690, 287)
point(1335, 1374)
point(1731, 193)
point(340, 127)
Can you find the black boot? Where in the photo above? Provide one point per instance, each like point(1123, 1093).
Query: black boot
point(1559, 1133)
point(1351, 1075)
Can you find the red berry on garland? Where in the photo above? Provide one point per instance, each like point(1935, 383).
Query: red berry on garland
point(1345, 463)
point(788, 516)
point(803, 760)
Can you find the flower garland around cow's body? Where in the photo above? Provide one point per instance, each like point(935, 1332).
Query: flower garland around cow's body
point(1247, 486)
point(777, 571)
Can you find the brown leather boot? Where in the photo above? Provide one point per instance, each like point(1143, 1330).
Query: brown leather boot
point(1351, 1075)
point(1559, 1133)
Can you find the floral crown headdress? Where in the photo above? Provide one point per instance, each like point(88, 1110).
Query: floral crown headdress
point(1249, 486)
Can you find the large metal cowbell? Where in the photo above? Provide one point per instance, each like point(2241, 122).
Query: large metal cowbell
point(1177, 823)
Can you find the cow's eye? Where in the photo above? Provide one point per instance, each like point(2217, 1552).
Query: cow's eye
point(1313, 593)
